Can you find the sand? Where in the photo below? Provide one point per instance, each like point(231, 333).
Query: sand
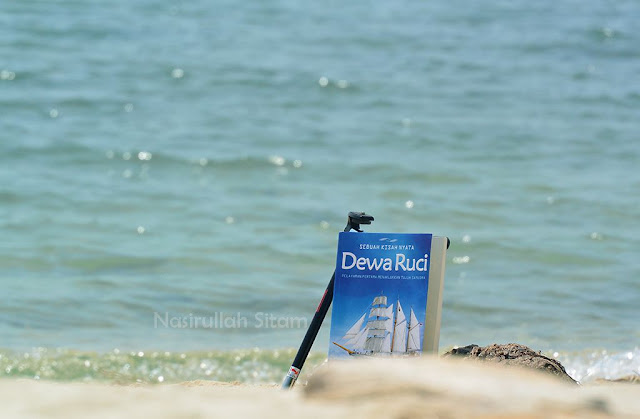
point(428, 387)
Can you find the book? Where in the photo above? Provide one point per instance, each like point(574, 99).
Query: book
point(387, 296)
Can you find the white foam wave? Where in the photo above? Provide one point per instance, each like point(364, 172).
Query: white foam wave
point(588, 366)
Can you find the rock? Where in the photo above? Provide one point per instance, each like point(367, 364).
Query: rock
point(512, 354)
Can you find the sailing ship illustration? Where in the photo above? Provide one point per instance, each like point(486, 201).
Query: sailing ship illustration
point(387, 331)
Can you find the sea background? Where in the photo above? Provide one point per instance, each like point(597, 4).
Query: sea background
point(194, 158)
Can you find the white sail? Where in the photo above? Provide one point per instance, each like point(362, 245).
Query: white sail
point(358, 343)
point(380, 300)
point(400, 331)
point(351, 333)
point(413, 342)
point(388, 334)
point(389, 312)
point(378, 312)
point(375, 336)
point(388, 324)
point(376, 328)
point(386, 343)
point(373, 344)
point(377, 325)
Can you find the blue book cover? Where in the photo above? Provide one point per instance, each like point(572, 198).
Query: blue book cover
point(380, 294)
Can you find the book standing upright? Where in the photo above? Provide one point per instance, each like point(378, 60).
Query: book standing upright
point(387, 294)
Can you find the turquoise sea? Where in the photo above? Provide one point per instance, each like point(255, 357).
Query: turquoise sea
point(198, 159)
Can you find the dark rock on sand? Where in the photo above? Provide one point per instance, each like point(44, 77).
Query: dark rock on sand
point(512, 354)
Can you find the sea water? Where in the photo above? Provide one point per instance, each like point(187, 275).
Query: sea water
point(164, 162)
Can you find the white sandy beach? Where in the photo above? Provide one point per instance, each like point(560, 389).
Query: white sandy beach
point(431, 388)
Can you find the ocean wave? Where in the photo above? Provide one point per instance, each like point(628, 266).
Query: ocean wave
point(74, 152)
point(256, 366)
point(591, 366)
point(152, 367)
